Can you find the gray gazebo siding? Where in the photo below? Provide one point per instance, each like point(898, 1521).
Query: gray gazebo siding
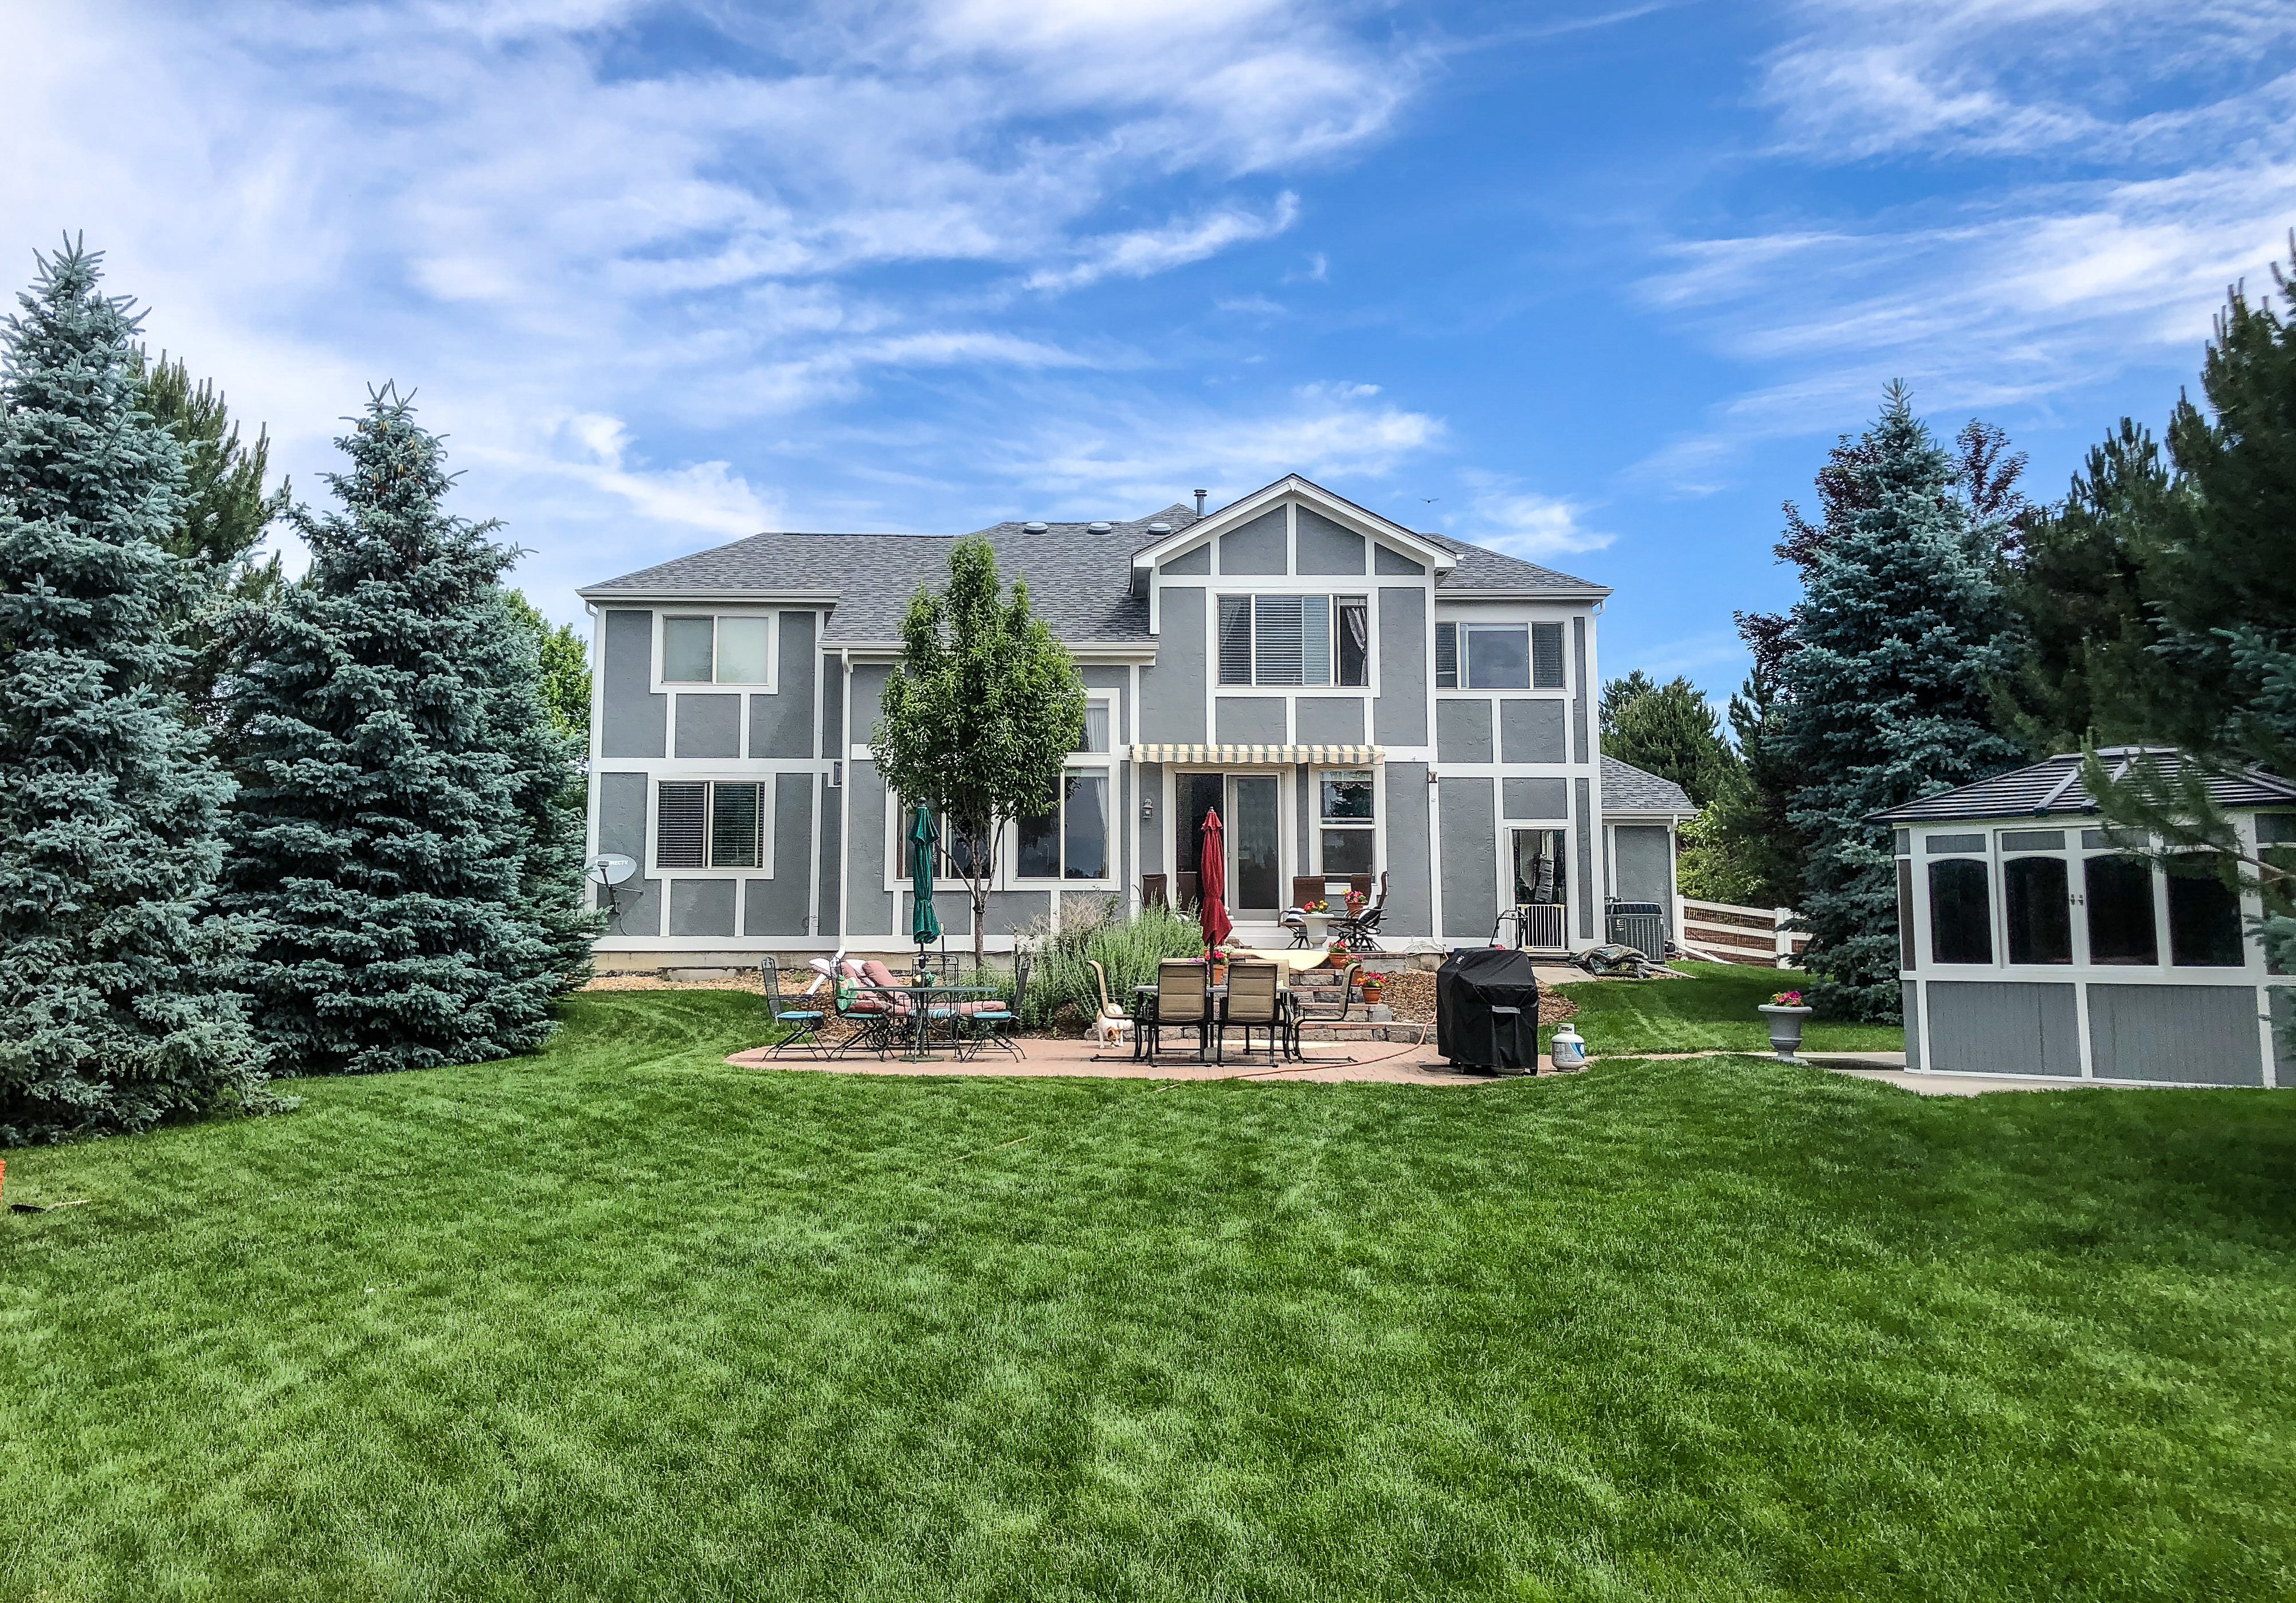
point(2163, 1021)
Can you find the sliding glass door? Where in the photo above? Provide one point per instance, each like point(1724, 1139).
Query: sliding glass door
point(1251, 820)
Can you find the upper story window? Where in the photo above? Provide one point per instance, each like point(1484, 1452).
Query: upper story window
point(1295, 640)
point(1498, 656)
point(732, 650)
point(1095, 737)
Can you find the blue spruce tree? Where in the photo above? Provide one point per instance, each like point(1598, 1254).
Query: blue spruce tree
point(111, 1015)
point(1890, 657)
point(398, 779)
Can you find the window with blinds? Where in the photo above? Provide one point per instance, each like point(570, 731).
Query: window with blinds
point(678, 813)
point(1279, 639)
point(1546, 656)
point(1447, 656)
point(708, 825)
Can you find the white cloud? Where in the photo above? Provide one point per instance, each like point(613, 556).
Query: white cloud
point(1144, 455)
point(510, 207)
point(2137, 158)
point(1526, 524)
point(1147, 250)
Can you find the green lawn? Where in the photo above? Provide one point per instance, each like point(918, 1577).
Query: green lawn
point(1714, 1008)
point(618, 1321)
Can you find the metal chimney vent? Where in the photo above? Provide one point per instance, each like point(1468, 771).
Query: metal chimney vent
point(1200, 501)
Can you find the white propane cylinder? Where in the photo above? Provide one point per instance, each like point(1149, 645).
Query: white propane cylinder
point(1566, 1050)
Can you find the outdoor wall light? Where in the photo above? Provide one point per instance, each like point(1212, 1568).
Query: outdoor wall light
point(1147, 808)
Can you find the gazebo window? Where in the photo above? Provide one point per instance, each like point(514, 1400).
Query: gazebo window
point(2204, 920)
point(2122, 928)
point(2035, 897)
point(1961, 915)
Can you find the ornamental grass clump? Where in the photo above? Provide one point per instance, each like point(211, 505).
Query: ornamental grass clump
point(1128, 950)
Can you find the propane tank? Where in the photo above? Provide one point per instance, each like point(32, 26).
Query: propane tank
point(1566, 1050)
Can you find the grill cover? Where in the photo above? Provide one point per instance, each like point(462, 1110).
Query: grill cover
point(1486, 1009)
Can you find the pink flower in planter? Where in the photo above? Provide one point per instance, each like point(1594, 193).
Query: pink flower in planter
point(1786, 999)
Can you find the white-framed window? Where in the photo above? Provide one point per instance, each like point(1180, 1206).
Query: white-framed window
point(1498, 656)
point(712, 824)
point(1070, 839)
point(1098, 712)
point(716, 648)
point(1295, 640)
point(1347, 819)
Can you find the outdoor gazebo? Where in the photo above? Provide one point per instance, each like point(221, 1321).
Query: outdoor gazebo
point(2034, 942)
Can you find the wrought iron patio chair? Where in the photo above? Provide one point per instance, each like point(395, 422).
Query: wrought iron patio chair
point(876, 1019)
point(1361, 933)
point(799, 1019)
point(991, 1021)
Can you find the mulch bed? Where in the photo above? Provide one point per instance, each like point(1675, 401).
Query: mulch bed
point(1410, 992)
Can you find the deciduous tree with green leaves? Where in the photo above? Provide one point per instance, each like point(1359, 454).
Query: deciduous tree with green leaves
point(565, 665)
point(112, 1015)
point(978, 716)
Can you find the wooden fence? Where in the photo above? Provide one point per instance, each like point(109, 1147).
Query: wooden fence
point(1734, 934)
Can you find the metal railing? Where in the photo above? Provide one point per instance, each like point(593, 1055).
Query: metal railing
point(1535, 926)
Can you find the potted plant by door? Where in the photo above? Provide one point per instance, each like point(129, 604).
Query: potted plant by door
point(1785, 1013)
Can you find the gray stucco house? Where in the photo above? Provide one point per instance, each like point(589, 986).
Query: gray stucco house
point(2035, 942)
point(1353, 695)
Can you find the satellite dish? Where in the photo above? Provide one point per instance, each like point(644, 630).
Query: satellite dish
point(610, 868)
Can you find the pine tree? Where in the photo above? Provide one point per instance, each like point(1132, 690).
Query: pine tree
point(1668, 730)
point(2074, 581)
point(396, 757)
point(546, 727)
point(226, 514)
point(1898, 639)
point(110, 1016)
point(2209, 545)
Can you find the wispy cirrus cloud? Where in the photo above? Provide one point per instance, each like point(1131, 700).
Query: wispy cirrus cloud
point(2131, 176)
point(535, 209)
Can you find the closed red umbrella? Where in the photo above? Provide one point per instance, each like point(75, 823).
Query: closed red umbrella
point(1211, 881)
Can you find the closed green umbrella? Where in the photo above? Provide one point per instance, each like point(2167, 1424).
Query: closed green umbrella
point(924, 922)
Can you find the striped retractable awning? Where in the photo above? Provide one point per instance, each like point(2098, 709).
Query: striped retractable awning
point(1241, 756)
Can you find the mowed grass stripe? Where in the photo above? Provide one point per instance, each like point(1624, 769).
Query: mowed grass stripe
point(645, 1325)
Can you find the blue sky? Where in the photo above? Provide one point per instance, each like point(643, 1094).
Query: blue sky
point(1594, 284)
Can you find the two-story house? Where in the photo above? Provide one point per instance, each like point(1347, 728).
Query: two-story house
point(1353, 696)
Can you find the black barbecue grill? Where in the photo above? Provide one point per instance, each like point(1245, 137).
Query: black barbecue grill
point(1487, 1010)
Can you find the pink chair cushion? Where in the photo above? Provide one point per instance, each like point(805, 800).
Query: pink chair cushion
point(877, 973)
point(973, 1009)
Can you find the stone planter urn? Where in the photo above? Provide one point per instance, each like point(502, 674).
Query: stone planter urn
point(1786, 1027)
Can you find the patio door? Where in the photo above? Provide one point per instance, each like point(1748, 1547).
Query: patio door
point(1254, 834)
point(1251, 821)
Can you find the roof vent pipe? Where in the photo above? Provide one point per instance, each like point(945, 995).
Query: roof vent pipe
point(1200, 501)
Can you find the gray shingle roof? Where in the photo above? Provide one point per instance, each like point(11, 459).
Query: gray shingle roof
point(1629, 789)
point(1080, 581)
point(1482, 569)
point(2056, 787)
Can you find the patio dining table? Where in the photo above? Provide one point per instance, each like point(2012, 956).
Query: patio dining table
point(926, 1009)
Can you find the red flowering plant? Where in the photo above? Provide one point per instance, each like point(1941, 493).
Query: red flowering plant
point(1786, 999)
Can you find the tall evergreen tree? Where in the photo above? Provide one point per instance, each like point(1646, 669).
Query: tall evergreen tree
point(551, 673)
point(110, 1017)
point(225, 512)
point(395, 758)
point(1891, 652)
point(1750, 851)
point(2209, 545)
point(1668, 730)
